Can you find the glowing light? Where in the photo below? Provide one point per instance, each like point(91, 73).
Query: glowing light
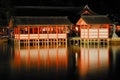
point(76, 28)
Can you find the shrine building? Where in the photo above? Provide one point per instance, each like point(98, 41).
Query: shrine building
point(41, 30)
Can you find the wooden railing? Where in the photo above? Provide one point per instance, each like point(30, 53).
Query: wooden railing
point(40, 36)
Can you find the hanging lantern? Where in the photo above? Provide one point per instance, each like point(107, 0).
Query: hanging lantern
point(76, 28)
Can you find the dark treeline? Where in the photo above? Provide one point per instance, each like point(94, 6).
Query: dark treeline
point(98, 6)
point(101, 6)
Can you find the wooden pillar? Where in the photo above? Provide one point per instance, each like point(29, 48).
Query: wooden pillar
point(28, 35)
point(19, 34)
point(48, 35)
point(57, 34)
point(88, 33)
point(66, 34)
point(108, 34)
point(108, 30)
point(98, 34)
point(14, 33)
point(80, 34)
point(38, 35)
point(84, 33)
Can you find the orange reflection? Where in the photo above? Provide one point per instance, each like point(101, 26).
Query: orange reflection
point(93, 59)
point(40, 57)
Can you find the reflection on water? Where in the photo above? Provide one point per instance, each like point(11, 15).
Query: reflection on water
point(40, 57)
point(115, 59)
point(93, 59)
point(43, 59)
point(85, 62)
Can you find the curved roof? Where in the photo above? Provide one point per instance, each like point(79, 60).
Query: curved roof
point(97, 19)
point(87, 11)
point(46, 20)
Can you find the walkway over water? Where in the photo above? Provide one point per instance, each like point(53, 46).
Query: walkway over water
point(70, 40)
point(78, 40)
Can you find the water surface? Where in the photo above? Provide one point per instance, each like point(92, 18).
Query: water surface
point(85, 62)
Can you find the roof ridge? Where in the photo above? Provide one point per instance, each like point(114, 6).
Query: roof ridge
point(86, 6)
point(94, 16)
point(41, 16)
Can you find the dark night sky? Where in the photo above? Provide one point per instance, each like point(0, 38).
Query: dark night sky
point(109, 6)
point(98, 6)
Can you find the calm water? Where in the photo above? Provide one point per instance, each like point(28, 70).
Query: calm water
point(59, 62)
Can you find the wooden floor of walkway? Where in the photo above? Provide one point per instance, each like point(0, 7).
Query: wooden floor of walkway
point(115, 41)
point(77, 40)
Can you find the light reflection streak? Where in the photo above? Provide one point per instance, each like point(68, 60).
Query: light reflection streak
point(40, 58)
point(93, 59)
point(115, 49)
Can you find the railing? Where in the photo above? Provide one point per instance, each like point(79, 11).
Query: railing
point(40, 36)
point(94, 33)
